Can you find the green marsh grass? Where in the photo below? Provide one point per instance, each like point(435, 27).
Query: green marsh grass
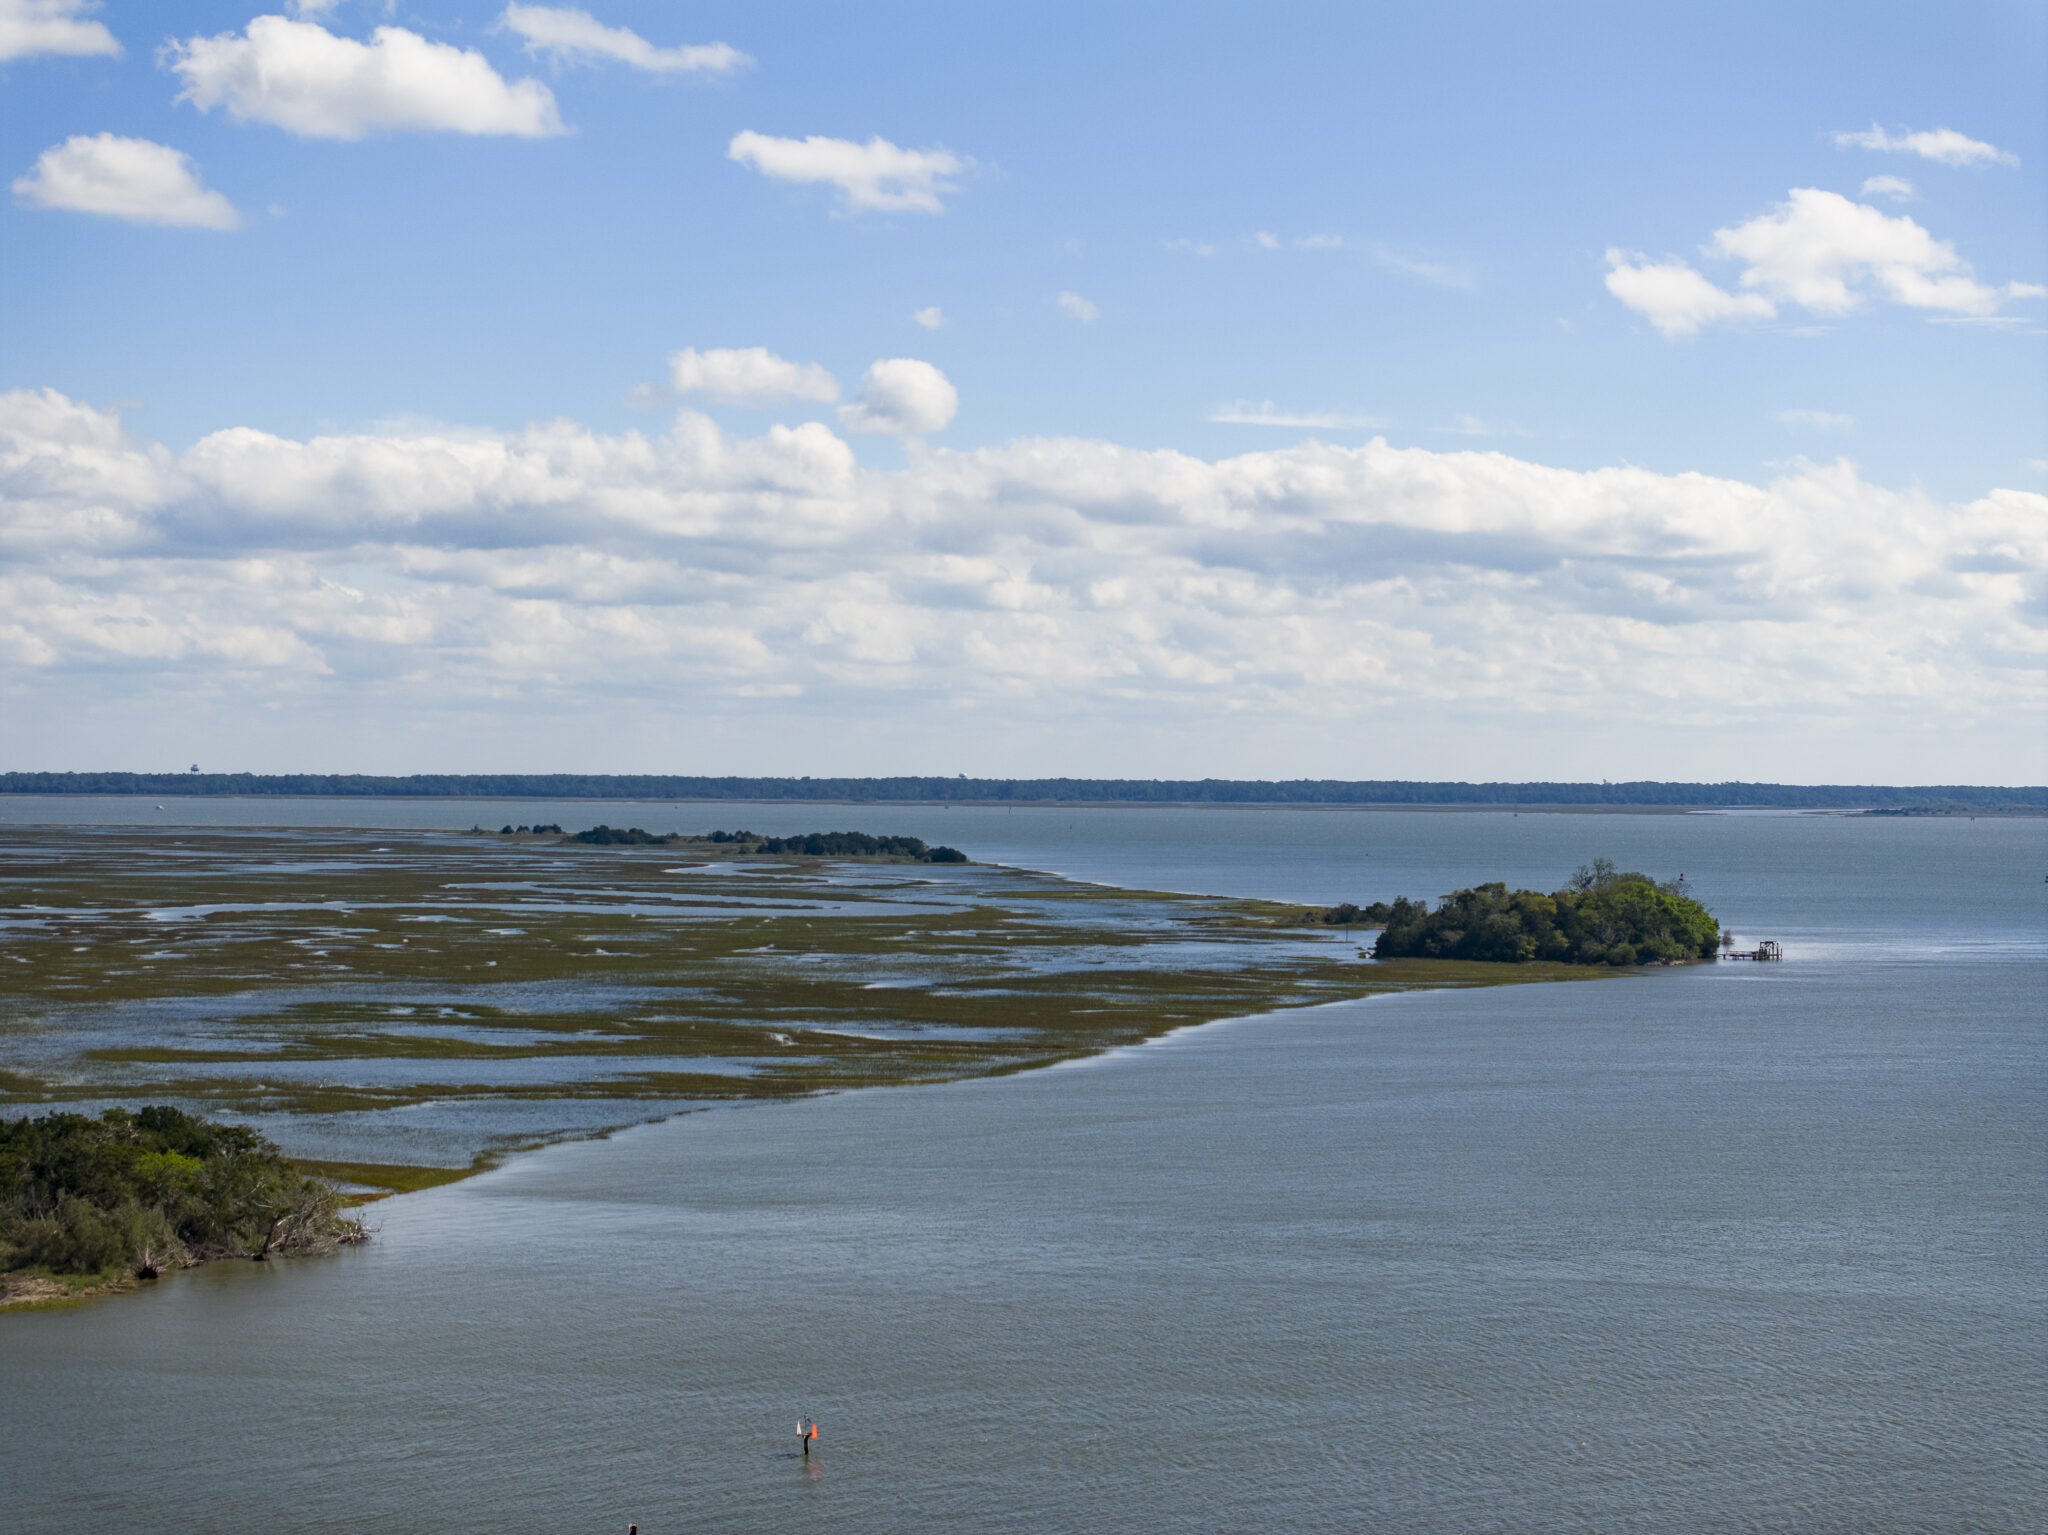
point(333, 978)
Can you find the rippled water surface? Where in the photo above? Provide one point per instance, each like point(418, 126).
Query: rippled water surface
point(1735, 1248)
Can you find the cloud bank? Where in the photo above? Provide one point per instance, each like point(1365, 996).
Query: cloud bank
point(1054, 579)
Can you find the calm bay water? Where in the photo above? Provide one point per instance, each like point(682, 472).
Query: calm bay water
point(1730, 1248)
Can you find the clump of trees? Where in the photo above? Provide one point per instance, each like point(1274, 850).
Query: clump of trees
point(1348, 915)
point(1603, 916)
point(817, 844)
point(602, 835)
point(138, 1193)
point(536, 829)
point(839, 844)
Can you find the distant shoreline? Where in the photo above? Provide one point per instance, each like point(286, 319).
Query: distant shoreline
point(1904, 812)
point(1054, 793)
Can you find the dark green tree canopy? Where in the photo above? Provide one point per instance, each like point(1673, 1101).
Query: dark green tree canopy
point(816, 844)
point(151, 1190)
point(1601, 917)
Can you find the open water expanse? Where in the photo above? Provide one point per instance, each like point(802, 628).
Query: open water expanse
point(1735, 1247)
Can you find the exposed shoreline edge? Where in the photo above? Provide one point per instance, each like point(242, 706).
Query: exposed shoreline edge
point(379, 1181)
point(388, 1180)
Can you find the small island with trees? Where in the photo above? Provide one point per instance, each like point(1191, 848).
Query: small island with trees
point(1603, 916)
point(816, 844)
point(90, 1205)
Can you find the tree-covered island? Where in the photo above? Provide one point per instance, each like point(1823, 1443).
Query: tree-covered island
point(1603, 916)
point(90, 1204)
point(816, 844)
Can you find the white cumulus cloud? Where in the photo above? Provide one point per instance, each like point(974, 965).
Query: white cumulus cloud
point(132, 179)
point(748, 376)
point(1897, 188)
point(1063, 586)
point(300, 77)
point(1818, 250)
point(1825, 253)
point(31, 27)
point(901, 397)
point(873, 177)
point(930, 318)
point(1075, 307)
point(1675, 298)
point(569, 36)
point(1943, 145)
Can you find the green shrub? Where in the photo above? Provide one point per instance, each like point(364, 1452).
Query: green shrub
point(158, 1188)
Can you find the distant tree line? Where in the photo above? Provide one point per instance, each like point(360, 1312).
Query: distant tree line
point(1602, 917)
point(1132, 791)
point(138, 1193)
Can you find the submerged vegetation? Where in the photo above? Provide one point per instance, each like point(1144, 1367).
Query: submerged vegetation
point(92, 1201)
point(1602, 917)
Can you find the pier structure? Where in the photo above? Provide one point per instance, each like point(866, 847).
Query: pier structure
point(1766, 949)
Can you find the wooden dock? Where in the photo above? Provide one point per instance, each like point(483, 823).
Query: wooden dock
point(1766, 949)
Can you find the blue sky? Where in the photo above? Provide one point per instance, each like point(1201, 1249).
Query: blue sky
point(1204, 257)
